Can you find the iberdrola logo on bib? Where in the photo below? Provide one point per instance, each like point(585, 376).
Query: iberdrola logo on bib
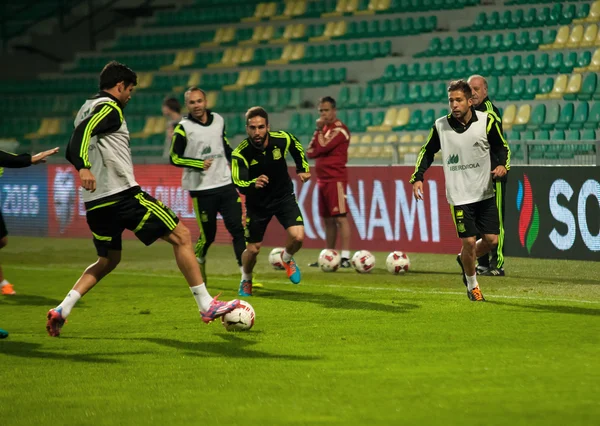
point(452, 159)
point(529, 218)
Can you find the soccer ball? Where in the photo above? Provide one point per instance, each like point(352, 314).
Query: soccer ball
point(397, 262)
point(363, 261)
point(240, 319)
point(329, 260)
point(275, 258)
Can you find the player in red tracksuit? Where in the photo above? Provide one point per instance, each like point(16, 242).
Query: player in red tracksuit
point(329, 148)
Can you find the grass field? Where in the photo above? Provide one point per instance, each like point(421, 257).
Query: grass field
point(338, 349)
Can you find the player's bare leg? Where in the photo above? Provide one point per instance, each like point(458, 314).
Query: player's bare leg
point(90, 277)
point(344, 230)
point(295, 238)
point(210, 308)
point(6, 288)
point(249, 257)
point(471, 250)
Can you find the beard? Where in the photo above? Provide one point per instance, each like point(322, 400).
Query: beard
point(258, 143)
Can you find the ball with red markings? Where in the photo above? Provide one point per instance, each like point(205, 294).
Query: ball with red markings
point(240, 319)
point(275, 258)
point(397, 263)
point(363, 261)
point(329, 260)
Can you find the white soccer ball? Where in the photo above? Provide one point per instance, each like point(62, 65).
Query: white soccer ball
point(363, 261)
point(397, 263)
point(275, 258)
point(329, 260)
point(240, 319)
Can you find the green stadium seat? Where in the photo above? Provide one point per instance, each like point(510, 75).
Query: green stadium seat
point(366, 120)
point(569, 63)
point(488, 65)
point(532, 89)
point(584, 59)
point(483, 44)
point(516, 20)
point(427, 91)
point(518, 90)
point(440, 92)
point(538, 116)
point(567, 15)
point(501, 66)
point(552, 115)
point(474, 67)
point(389, 96)
point(378, 95)
point(428, 119)
point(493, 86)
point(547, 86)
point(535, 38)
point(508, 43)
point(542, 64)
point(580, 116)
point(514, 65)
point(505, 89)
point(593, 120)
point(416, 119)
point(496, 43)
point(414, 94)
point(555, 63)
point(566, 116)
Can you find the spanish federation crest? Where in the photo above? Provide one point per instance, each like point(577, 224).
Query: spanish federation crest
point(276, 154)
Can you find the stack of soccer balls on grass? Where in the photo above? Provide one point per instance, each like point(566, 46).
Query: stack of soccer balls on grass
point(363, 261)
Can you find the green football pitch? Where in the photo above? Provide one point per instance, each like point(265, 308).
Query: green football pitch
point(340, 348)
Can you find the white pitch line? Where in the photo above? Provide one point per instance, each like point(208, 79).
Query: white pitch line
point(396, 289)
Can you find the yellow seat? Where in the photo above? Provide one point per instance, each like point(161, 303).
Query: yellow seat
point(560, 85)
point(403, 117)
point(179, 61)
point(340, 8)
point(594, 15)
point(239, 83)
point(523, 115)
point(211, 99)
point(340, 29)
point(393, 138)
point(365, 139)
point(383, 5)
point(257, 36)
point(561, 39)
point(148, 128)
point(594, 65)
point(379, 139)
point(352, 151)
point(351, 6)
point(226, 60)
point(287, 13)
point(370, 10)
point(388, 152)
point(575, 37)
point(253, 77)
point(286, 55)
point(194, 79)
point(574, 84)
point(388, 122)
point(258, 13)
point(299, 8)
point(144, 80)
point(327, 33)
point(160, 124)
point(247, 55)
point(509, 115)
point(590, 36)
point(363, 151)
point(298, 52)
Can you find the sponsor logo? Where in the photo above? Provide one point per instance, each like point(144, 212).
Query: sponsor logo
point(529, 217)
point(206, 150)
point(452, 159)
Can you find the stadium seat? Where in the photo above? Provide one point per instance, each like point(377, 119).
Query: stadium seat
point(537, 117)
point(562, 36)
point(505, 89)
point(402, 119)
point(580, 116)
point(532, 89)
point(560, 85)
point(588, 87)
point(523, 117)
point(509, 116)
point(566, 116)
point(593, 121)
point(388, 122)
point(552, 116)
point(573, 87)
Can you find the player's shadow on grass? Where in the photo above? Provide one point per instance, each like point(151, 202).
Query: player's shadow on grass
point(559, 309)
point(30, 300)
point(235, 347)
point(34, 350)
point(337, 302)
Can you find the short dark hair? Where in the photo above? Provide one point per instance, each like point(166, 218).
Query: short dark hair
point(114, 72)
point(257, 111)
point(194, 89)
point(328, 99)
point(173, 104)
point(461, 85)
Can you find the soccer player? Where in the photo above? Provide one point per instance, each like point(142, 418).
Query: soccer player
point(259, 170)
point(99, 150)
point(467, 137)
point(10, 160)
point(481, 102)
point(171, 109)
point(329, 147)
point(201, 147)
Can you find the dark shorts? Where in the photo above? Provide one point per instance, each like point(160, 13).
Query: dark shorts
point(3, 230)
point(287, 213)
point(148, 218)
point(332, 199)
point(476, 218)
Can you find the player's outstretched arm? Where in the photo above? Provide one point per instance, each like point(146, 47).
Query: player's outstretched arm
point(41, 157)
point(178, 145)
point(426, 155)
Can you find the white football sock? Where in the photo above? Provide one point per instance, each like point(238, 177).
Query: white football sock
point(66, 305)
point(286, 257)
point(202, 297)
point(246, 276)
point(345, 254)
point(3, 283)
point(472, 282)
